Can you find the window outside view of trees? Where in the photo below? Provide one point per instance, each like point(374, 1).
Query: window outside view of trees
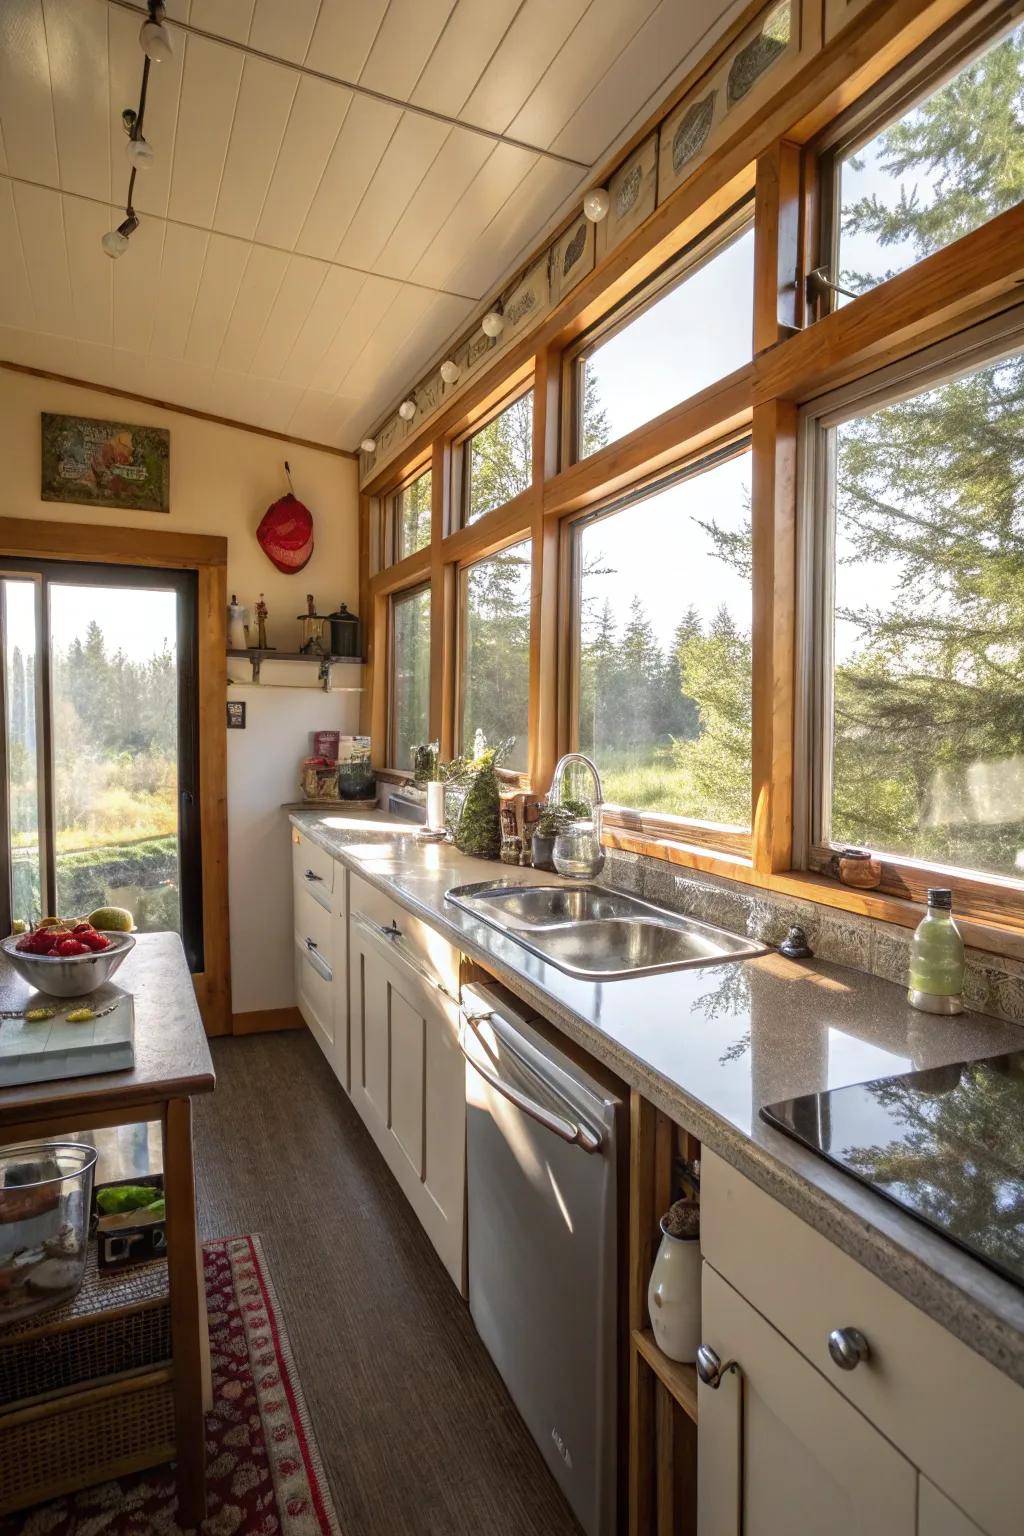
point(663, 647)
point(114, 720)
point(928, 753)
point(499, 459)
point(942, 170)
point(697, 332)
point(411, 511)
point(495, 644)
point(410, 675)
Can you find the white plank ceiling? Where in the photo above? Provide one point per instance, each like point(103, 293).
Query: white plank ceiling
point(337, 183)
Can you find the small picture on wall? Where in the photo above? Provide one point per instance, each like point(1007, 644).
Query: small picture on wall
point(106, 464)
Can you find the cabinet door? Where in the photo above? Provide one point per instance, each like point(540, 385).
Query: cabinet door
point(368, 1031)
point(779, 1449)
point(314, 974)
point(939, 1516)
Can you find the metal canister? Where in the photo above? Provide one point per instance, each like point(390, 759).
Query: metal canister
point(344, 632)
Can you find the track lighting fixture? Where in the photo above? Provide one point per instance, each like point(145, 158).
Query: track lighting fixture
point(369, 445)
point(140, 153)
point(154, 35)
point(596, 204)
point(450, 371)
point(407, 409)
point(115, 241)
point(493, 323)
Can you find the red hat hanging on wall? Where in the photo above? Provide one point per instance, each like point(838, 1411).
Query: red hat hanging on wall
point(285, 533)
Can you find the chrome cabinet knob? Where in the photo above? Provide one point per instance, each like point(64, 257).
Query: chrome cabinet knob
point(710, 1368)
point(848, 1347)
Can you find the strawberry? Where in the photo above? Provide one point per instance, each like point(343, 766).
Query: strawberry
point(95, 941)
point(25, 942)
point(82, 928)
point(68, 947)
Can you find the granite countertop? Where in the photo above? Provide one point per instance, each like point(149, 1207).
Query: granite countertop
point(709, 1046)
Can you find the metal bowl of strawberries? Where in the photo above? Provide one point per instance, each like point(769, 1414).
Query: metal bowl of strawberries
point(67, 960)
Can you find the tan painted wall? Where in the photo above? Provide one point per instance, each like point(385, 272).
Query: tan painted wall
point(222, 481)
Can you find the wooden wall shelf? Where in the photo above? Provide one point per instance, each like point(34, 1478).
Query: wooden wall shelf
point(325, 665)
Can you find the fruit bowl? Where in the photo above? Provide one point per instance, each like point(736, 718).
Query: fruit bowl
point(69, 975)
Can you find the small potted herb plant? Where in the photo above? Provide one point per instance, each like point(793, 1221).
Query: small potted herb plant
point(553, 820)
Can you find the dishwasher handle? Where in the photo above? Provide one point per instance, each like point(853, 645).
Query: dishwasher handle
point(572, 1131)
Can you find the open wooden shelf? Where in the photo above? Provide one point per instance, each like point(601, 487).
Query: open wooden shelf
point(325, 665)
point(676, 1377)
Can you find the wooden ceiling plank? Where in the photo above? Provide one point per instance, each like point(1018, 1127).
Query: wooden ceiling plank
point(262, 111)
point(181, 273)
point(513, 232)
point(408, 157)
point(367, 131)
point(41, 223)
point(283, 30)
point(223, 270)
point(17, 306)
point(344, 35)
point(90, 274)
point(257, 293)
point(403, 45)
point(341, 288)
point(137, 289)
point(26, 104)
point(479, 205)
point(76, 39)
point(472, 35)
point(302, 282)
point(437, 196)
point(211, 78)
point(317, 116)
point(375, 299)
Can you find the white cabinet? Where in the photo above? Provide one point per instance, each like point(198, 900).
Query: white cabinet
point(780, 1450)
point(407, 1074)
point(321, 946)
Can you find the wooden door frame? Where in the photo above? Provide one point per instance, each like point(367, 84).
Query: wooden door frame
point(207, 555)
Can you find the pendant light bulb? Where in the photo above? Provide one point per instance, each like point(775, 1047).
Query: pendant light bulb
point(493, 323)
point(596, 204)
point(154, 35)
point(407, 410)
point(368, 445)
point(140, 153)
point(115, 241)
point(450, 371)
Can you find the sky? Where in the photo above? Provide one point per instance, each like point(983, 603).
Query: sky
point(137, 621)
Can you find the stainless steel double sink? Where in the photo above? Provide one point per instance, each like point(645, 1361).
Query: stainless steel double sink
point(600, 935)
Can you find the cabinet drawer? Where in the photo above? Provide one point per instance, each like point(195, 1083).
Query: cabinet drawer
point(313, 867)
point(314, 927)
point(414, 940)
point(954, 1415)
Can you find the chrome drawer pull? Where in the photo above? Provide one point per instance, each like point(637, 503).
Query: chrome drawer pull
point(848, 1347)
point(310, 875)
point(710, 1368)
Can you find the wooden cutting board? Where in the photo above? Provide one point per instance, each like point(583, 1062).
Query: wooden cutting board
point(49, 1049)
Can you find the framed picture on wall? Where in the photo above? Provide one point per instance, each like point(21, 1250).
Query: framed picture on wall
point(106, 464)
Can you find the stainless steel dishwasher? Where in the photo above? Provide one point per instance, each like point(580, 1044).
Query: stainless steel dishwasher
point(543, 1172)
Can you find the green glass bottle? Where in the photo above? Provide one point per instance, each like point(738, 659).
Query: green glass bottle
point(937, 959)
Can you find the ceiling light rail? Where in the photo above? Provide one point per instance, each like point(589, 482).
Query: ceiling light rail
point(191, 30)
point(155, 42)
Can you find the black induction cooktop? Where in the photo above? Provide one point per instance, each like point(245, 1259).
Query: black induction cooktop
point(946, 1144)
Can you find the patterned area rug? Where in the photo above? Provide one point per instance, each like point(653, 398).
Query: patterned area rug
point(264, 1476)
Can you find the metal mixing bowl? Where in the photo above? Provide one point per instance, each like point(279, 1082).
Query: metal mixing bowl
point(70, 976)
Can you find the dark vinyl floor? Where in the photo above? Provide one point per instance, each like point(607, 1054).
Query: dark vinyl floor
point(417, 1432)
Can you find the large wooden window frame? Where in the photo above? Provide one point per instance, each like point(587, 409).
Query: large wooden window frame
point(521, 779)
point(698, 253)
point(461, 463)
point(981, 895)
point(846, 83)
point(392, 599)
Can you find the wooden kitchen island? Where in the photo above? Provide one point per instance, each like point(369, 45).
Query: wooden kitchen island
point(172, 1064)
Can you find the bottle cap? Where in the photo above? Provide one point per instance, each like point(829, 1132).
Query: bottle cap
point(937, 897)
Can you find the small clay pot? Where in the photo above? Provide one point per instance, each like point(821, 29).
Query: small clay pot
point(857, 867)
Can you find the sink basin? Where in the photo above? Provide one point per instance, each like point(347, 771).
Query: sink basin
point(587, 931)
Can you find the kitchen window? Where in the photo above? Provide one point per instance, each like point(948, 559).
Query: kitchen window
point(409, 701)
point(662, 644)
point(914, 634)
point(410, 518)
point(669, 341)
point(494, 652)
point(906, 185)
point(497, 460)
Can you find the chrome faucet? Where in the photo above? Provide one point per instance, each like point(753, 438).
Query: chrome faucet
point(578, 851)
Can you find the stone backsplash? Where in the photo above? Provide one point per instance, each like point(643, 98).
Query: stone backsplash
point(992, 985)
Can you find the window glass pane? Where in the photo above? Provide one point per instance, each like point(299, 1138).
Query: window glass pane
point(20, 686)
point(940, 171)
point(500, 459)
point(928, 757)
point(495, 639)
point(412, 517)
point(663, 647)
point(699, 331)
point(410, 675)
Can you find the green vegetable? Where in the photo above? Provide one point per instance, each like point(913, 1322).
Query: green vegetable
point(478, 829)
point(129, 1197)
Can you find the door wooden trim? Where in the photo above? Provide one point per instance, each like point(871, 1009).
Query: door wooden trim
point(207, 555)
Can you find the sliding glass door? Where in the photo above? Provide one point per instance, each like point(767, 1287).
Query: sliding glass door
point(99, 803)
